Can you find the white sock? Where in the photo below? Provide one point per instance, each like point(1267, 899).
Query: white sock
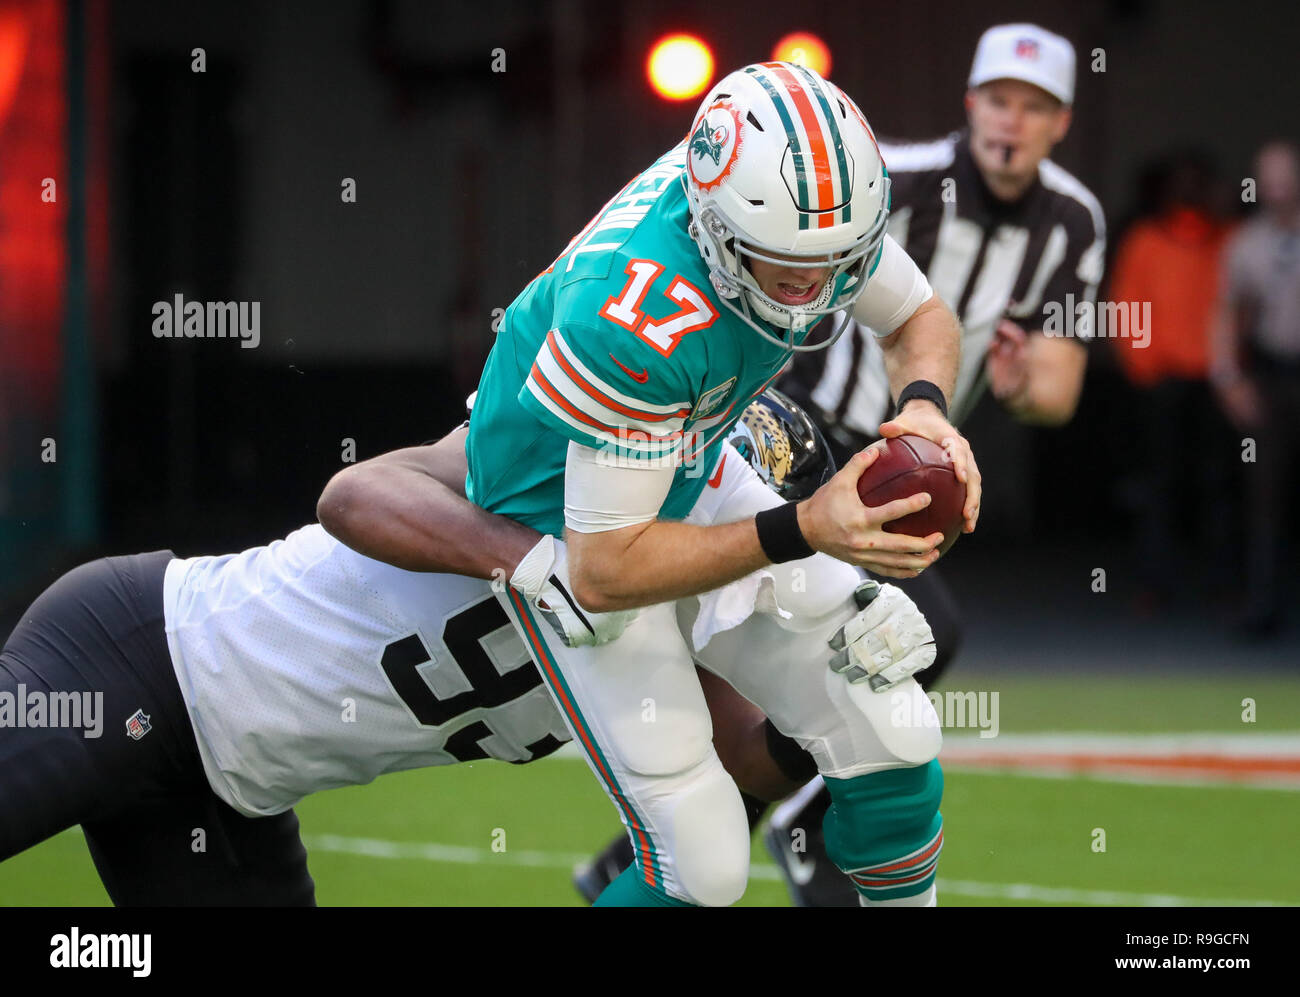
point(930, 898)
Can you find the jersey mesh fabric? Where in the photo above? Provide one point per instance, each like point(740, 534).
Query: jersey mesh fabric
point(306, 666)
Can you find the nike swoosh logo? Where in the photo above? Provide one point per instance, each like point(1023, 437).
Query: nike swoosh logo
point(800, 871)
point(716, 480)
point(639, 378)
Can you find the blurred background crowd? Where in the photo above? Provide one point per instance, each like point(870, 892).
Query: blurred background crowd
point(150, 149)
point(1218, 383)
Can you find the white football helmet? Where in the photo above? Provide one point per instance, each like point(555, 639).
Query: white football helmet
point(781, 163)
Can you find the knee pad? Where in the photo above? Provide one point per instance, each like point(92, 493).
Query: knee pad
point(660, 737)
point(708, 833)
point(903, 718)
point(884, 829)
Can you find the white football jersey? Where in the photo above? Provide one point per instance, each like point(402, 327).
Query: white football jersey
point(306, 666)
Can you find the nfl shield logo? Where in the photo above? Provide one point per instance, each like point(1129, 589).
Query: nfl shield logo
point(1026, 48)
point(712, 399)
point(138, 725)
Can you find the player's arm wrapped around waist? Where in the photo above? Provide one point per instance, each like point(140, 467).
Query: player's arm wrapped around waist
point(543, 577)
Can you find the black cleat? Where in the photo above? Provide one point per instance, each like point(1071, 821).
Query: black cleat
point(591, 878)
point(794, 838)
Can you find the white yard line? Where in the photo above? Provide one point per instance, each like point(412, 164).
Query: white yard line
point(1235, 745)
point(1204, 759)
point(427, 851)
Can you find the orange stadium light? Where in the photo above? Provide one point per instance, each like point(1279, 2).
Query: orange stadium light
point(805, 49)
point(680, 67)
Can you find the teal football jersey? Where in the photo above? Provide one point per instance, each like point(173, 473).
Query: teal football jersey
point(621, 345)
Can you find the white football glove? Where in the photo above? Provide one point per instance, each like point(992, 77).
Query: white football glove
point(543, 577)
point(888, 641)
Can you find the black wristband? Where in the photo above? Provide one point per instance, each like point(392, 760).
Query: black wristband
point(922, 389)
point(779, 534)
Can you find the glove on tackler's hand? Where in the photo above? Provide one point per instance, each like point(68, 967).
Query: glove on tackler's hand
point(543, 577)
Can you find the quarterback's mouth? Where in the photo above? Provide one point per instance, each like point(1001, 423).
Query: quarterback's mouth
point(795, 294)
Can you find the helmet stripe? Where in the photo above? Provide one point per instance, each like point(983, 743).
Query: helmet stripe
point(792, 136)
point(837, 143)
point(816, 141)
point(884, 167)
point(857, 113)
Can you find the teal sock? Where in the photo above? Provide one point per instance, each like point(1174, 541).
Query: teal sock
point(630, 890)
point(888, 825)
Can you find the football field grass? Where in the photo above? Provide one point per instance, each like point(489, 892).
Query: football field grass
point(488, 833)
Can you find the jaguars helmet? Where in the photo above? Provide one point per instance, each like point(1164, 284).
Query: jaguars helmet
point(784, 446)
point(781, 163)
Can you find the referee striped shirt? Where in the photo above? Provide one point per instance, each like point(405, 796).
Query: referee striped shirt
point(986, 258)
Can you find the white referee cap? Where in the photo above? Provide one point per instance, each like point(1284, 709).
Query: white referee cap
point(1025, 52)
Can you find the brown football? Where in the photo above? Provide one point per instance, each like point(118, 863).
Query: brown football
point(911, 464)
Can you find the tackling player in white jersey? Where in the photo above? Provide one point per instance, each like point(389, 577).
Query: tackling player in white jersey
point(216, 692)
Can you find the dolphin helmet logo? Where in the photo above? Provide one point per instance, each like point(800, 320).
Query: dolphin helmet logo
point(709, 141)
point(714, 144)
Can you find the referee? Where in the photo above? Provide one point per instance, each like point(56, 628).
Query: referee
point(1013, 243)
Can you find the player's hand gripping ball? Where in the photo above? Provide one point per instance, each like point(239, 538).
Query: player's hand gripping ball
point(911, 464)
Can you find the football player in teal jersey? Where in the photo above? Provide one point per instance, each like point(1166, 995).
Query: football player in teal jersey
point(600, 418)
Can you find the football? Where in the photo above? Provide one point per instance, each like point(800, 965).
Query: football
point(911, 464)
